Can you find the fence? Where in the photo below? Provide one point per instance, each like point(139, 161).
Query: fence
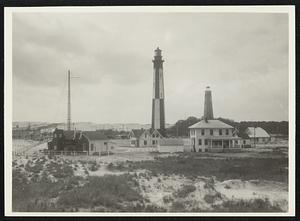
point(143, 149)
point(170, 149)
point(51, 153)
point(68, 153)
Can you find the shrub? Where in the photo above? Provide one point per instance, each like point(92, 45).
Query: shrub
point(210, 199)
point(248, 168)
point(96, 154)
point(154, 208)
point(254, 205)
point(185, 191)
point(36, 168)
point(93, 166)
point(167, 199)
point(60, 170)
point(106, 191)
point(178, 206)
point(110, 166)
point(104, 153)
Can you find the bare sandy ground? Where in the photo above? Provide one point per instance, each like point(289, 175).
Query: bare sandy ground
point(161, 189)
point(158, 189)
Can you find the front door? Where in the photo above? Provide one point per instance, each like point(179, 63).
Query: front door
point(194, 144)
point(226, 144)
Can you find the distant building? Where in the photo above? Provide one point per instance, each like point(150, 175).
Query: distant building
point(210, 134)
point(26, 133)
point(144, 138)
point(19, 133)
point(274, 138)
point(89, 142)
point(257, 135)
point(170, 145)
point(244, 140)
point(64, 140)
point(96, 143)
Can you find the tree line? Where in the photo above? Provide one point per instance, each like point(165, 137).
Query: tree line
point(180, 128)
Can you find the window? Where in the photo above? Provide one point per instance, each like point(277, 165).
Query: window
point(227, 132)
point(211, 132)
point(206, 142)
point(199, 142)
point(192, 132)
point(92, 147)
point(244, 142)
point(145, 142)
point(153, 142)
point(153, 135)
point(220, 131)
point(202, 132)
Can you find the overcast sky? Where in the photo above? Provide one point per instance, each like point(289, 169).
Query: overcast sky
point(242, 57)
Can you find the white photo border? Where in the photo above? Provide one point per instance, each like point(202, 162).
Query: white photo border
point(8, 14)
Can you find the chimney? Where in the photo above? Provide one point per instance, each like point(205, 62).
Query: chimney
point(208, 109)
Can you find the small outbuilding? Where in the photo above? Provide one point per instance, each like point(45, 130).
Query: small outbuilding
point(257, 135)
point(96, 142)
point(144, 138)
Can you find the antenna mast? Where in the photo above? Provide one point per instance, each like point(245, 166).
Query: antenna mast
point(69, 102)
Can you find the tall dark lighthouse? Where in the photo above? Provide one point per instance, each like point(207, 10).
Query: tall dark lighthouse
point(158, 101)
point(208, 108)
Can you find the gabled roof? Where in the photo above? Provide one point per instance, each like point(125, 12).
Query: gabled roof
point(138, 132)
point(210, 124)
point(257, 132)
point(152, 131)
point(69, 134)
point(94, 135)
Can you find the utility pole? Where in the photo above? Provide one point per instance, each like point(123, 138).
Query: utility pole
point(254, 138)
point(69, 102)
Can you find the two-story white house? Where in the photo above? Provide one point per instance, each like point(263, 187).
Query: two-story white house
point(209, 135)
point(212, 134)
